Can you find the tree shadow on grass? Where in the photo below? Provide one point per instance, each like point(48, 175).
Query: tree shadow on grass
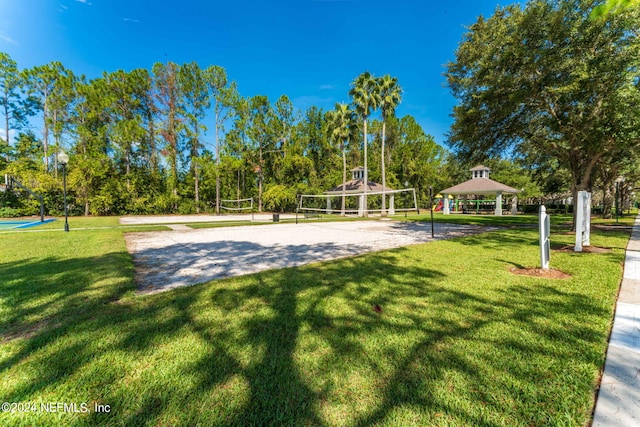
point(509, 379)
point(47, 299)
point(277, 391)
point(304, 346)
point(40, 295)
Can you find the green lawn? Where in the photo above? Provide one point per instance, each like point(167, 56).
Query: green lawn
point(460, 340)
point(83, 223)
point(560, 220)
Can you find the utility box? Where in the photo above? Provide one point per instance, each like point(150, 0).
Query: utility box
point(545, 244)
point(583, 220)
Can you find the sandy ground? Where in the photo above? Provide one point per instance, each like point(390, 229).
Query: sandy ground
point(168, 259)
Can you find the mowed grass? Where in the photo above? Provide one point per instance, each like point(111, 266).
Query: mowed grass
point(84, 223)
point(557, 220)
point(459, 341)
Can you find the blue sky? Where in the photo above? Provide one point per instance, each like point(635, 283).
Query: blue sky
point(309, 50)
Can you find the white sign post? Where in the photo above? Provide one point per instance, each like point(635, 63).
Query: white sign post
point(545, 244)
point(583, 220)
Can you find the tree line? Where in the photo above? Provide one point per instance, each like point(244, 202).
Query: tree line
point(548, 96)
point(180, 138)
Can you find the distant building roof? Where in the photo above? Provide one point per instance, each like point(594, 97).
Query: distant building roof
point(479, 168)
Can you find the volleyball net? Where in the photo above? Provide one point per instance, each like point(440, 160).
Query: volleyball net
point(403, 200)
point(237, 206)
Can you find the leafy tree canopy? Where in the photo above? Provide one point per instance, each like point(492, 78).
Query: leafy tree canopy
point(548, 81)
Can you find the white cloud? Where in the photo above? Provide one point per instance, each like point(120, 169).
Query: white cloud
point(9, 40)
point(327, 87)
point(135, 21)
point(88, 3)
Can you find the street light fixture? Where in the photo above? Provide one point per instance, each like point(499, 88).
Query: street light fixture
point(63, 159)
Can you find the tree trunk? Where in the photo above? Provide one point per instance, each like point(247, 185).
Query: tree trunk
point(260, 182)
point(45, 139)
point(6, 129)
point(366, 172)
point(197, 189)
point(152, 155)
point(581, 181)
point(128, 167)
point(56, 140)
point(217, 167)
point(344, 178)
point(384, 178)
point(196, 170)
point(55, 157)
point(238, 188)
point(607, 201)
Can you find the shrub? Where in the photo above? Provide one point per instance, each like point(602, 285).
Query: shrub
point(163, 204)
point(141, 206)
point(9, 213)
point(279, 198)
point(186, 207)
point(101, 204)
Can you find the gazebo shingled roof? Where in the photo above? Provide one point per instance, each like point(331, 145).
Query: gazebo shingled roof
point(480, 186)
point(357, 185)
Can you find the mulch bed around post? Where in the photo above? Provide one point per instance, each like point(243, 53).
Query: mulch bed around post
point(539, 272)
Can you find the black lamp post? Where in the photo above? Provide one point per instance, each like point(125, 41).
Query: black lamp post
point(63, 159)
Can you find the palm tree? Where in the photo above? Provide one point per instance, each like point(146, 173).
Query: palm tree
point(390, 94)
point(365, 98)
point(340, 123)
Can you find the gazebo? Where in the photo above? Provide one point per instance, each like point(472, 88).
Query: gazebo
point(356, 186)
point(481, 184)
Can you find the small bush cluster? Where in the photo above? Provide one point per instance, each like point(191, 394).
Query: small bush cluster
point(7, 212)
